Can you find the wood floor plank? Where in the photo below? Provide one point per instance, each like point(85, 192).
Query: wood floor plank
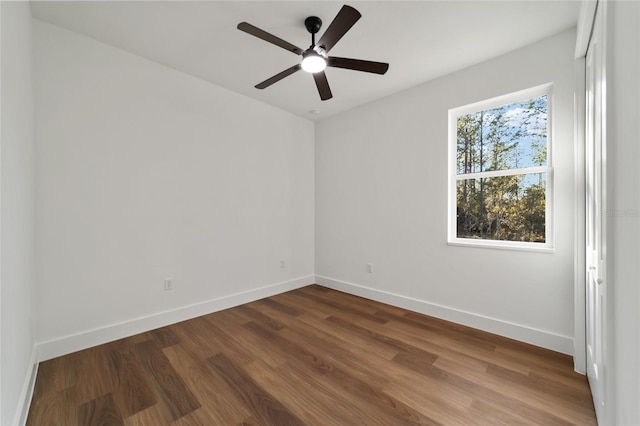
point(425, 327)
point(560, 365)
point(174, 392)
point(543, 399)
point(506, 348)
point(226, 338)
point(256, 315)
point(291, 300)
point(196, 337)
point(325, 406)
point(315, 319)
point(342, 308)
point(482, 413)
point(156, 415)
point(201, 416)
point(280, 307)
point(494, 394)
point(132, 392)
point(264, 407)
point(383, 338)
point(53, 376)
point(496, 404)
point(356, 342)
point(351, 385)
point(336, 299)
point(488, 389)
point(249, 421)
point(228, 318)
point(440, 413)
point(576, 381)
point(95, 372)
point(54, 408)
point(560, 390)
point(294, 351)
point(247, 341)
point(312, 331)
point(334, 353)
point(377, 370)
point(165, 337)
point(444, 346)
point(312, 356)
point(283, 386)
point(99, 412)
point(215, 395)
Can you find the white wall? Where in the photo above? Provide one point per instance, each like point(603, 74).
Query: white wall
point(145, 173)
point(381, 198)
point(17, 201)
point(623, 206)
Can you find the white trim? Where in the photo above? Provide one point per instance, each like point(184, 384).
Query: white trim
point(506, 172)
point(26, 394)
point(541, 338)
point(579, 244)
point(501, 245)
point(97, 336)
point(586, 15)
point(509, 98)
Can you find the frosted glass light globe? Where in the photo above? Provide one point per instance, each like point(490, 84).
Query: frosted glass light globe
point(313, 63)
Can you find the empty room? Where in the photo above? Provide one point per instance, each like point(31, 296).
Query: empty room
point(319, 213)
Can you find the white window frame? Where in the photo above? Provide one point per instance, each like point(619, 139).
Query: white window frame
point(454, 113)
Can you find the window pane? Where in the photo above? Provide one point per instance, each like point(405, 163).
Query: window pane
point(511, 136)
point(508, 208)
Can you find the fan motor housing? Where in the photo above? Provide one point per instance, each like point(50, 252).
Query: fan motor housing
point(313, 24)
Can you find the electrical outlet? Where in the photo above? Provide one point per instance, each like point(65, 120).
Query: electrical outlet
point(370, 268)
point(283, 264)
point(168, 284)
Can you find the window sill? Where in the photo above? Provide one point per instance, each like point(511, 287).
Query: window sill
point(503, 245)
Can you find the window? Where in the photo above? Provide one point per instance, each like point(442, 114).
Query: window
point(501, 180)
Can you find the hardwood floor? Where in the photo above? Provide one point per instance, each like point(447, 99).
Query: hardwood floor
point(312, 356)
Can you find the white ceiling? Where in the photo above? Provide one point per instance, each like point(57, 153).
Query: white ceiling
point(421, 40)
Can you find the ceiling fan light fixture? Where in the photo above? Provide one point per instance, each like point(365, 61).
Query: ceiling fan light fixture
point(312, 62)
point(315, 59)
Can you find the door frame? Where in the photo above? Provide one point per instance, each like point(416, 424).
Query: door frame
point(587, 19)
point(584, 29)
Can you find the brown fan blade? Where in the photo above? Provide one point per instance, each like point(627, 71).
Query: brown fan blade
point(343, 21)
point(268, 82)
point(323, 85)
point(357, 65)
point(257, 32)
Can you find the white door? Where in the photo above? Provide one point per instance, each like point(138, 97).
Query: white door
point(596, 291)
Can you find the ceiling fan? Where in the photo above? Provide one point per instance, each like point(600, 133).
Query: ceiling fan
point(315, 58)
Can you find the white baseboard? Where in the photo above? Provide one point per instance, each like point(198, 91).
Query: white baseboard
point(86, 339)
point(24, 401)
point(545, 339)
